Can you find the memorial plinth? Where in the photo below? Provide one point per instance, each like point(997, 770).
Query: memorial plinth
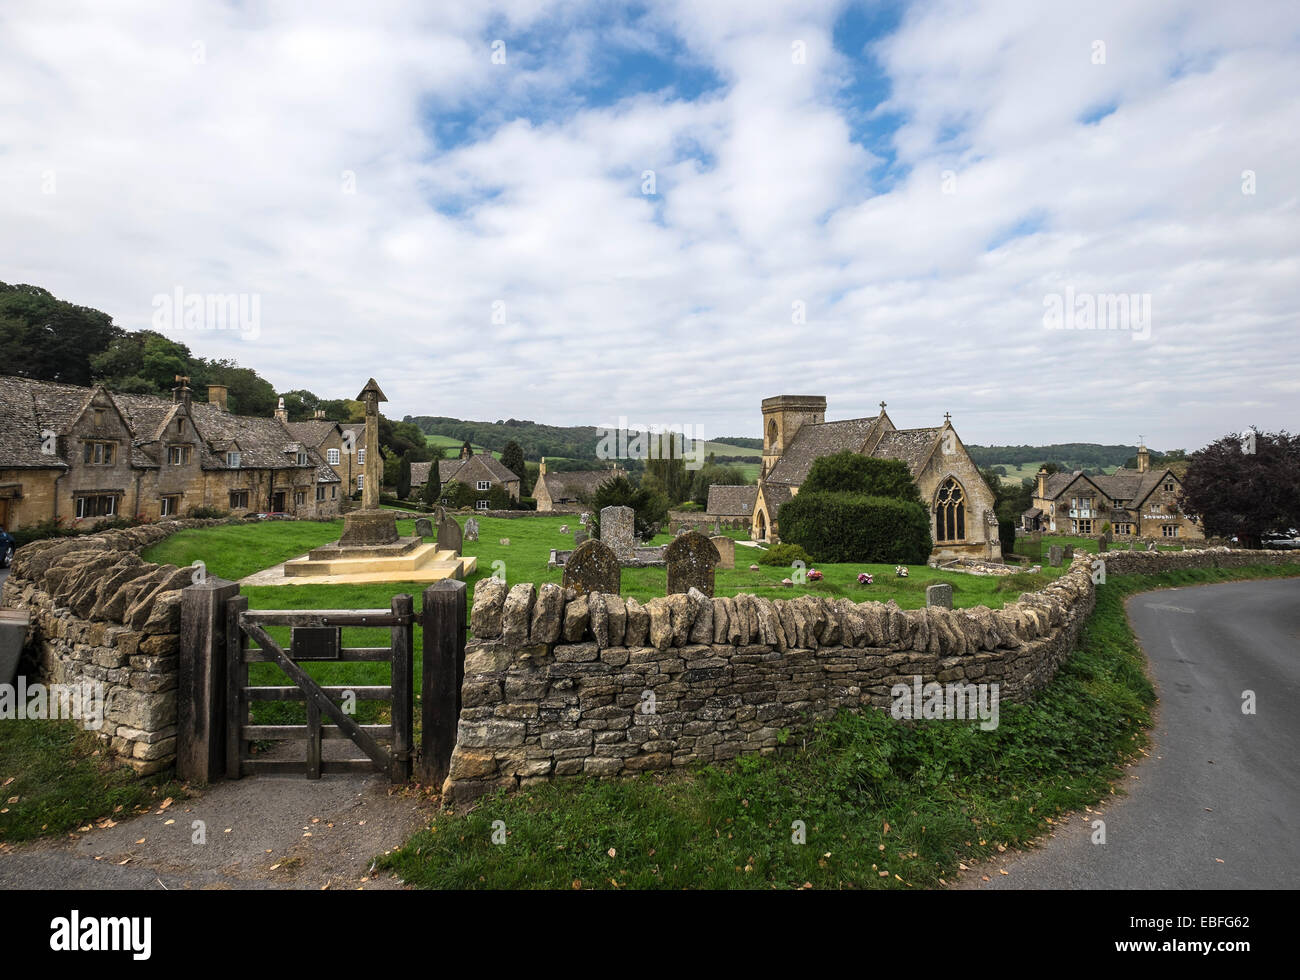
point(370, 549)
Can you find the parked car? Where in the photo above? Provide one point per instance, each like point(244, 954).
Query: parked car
point(7, 548)
point(1289, 538)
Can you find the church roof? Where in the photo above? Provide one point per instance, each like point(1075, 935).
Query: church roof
point(731, 501)
point(912, 446)
point(816, 440)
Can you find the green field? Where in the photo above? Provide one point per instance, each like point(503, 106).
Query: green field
point(1029, 471)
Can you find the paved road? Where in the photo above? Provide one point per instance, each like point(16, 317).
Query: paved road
point(1214, 803)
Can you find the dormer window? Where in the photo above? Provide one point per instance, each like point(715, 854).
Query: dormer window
point(302, 459)
point(233, 460)
point(178, 455)
point(98, 453)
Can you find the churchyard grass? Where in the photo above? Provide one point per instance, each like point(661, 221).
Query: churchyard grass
point(236, 550)
point(56, 778)
point(885, 804)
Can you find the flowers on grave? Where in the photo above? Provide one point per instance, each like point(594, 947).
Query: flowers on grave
point(814, 575)
point(900, 571)
point(864, 578)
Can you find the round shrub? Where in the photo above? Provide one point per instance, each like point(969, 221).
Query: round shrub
point(784, 554)
point(846, 527)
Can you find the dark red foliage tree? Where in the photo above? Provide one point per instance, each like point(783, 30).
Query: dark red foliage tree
point(1244, 490)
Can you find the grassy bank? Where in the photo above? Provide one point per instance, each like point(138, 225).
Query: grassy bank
point(56, 778)
point(885, 804)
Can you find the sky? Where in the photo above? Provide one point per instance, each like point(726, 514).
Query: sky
point(1057, 222)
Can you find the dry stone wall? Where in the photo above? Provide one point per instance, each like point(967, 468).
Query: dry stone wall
point(102, 615)
point(558, 684)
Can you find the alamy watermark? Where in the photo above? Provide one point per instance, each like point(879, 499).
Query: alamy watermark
point(1098, 311)
point(651, 442)
point(179, 310)
point(83, 702)
point(959, 701)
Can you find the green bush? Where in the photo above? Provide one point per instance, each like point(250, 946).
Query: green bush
point(784, 554)
point(849, 472)
point(207, 513)
point(847, 527)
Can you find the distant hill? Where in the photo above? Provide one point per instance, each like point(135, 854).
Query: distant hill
point(572, 444)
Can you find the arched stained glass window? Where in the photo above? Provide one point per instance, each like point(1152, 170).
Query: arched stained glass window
point(950, 511)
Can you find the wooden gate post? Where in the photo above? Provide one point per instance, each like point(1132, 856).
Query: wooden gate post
point(443, 658)
point(201, 691)
point(403, 682)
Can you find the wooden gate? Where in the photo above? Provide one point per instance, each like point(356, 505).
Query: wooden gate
point(326, 718)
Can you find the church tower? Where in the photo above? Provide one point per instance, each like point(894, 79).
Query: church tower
point(783, 416)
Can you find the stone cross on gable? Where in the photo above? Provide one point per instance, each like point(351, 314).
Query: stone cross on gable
point(882, 407)
point(947, 418)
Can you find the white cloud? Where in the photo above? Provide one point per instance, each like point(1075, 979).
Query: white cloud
point(226, 175)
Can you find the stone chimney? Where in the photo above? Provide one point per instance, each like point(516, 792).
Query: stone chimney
point(541, 468)
point(1041, 493)
point(217, 395)
point(281, 412)
point(320, 413)
point(1144, 459)
point(181, 394)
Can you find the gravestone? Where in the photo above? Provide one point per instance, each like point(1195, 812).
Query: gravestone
point(717, 528)
point(1102, 544)
point(584, 518)
point(726, 549)
point(1151, 546)
point(423, 527)
point(579, 536)
point(618, 530)
point(564, 529)
point(471, 529)
point(439, 512)
point(691, 559)
point(1068, 554)
point(1054, 556)
point(449, 536)
point(593, 567)
point(939, 594)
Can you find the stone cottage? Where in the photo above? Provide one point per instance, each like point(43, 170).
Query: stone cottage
point(87, 454)
point(1141, 503)
point(480, 471)
point(568, 490)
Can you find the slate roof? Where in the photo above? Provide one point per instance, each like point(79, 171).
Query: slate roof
point(420, 473)
point(574, 484)
point(815, 440)
point(1125, 485)
point(776, 496)
point(20, 427)
point(731, 501)
point(912, 446)
point(313, 431)
point(479, 466)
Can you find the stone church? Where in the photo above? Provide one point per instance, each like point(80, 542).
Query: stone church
point(795, 433)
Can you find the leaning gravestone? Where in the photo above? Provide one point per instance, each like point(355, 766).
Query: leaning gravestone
point(618, 530)
point(726, 549)
point(939, 594)
point(471, 529)
point(1054, 556)
point(593, 567)
point(423, 527)
point(691, 559)
point(449, 536)
point(1068, 553)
